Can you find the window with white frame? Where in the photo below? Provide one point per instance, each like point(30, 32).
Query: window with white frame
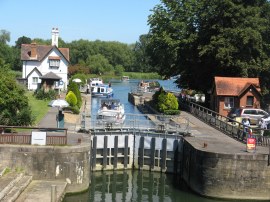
point(228, 102)
point(34, 80)
point(54, 63)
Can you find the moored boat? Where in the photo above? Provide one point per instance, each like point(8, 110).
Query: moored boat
point(102, 90)
point(111, 111)
point(95, 82)
point(125, 78)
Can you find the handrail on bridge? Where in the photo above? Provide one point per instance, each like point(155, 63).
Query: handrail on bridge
point(225, 124)
point(147, 122)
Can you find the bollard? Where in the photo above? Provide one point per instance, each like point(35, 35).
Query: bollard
point(53, 193)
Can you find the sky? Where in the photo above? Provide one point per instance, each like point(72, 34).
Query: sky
point(106, 20)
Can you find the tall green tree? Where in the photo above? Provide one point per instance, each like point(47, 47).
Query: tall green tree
point(14, 108)
point(99, 64)
point(22, 40)
point(4, 36)
point(200, 39)
point(142, 60)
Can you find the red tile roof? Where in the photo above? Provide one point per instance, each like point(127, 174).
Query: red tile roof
point(234, 86)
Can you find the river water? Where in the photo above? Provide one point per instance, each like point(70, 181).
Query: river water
point(135, 185)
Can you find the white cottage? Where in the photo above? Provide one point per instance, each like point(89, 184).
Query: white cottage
point(45, 66)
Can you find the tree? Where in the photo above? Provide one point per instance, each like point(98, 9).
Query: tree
point(75, 89)
point(142, 60)
point(118, 70)
point(99, 64)
point(22, 40)
point(200, 39)
point(14, 108)
point(4, 36)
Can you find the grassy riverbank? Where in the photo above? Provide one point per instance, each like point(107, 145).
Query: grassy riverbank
point(39, 107)
point(132, 75)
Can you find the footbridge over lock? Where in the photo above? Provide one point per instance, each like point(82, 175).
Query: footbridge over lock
point(147, 142)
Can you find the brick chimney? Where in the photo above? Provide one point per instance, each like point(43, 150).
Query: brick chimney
point(33, 50)
point(55, 35)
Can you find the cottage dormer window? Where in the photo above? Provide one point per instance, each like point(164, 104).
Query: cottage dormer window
point(54, 62)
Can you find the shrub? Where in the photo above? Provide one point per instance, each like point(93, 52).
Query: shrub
point(40, 94)
point(167, 101)
point(71, 99)
point(75, 89)
point(157, 94)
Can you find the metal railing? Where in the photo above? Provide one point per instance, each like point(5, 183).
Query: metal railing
point(146, 122)
point(228, 126)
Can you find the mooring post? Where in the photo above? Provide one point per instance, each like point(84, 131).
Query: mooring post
point(94, 156)
point(126, 152)
point(105, 153)
point(141, 153)
point(115, 152)
point(153, 149)
point(164, 155)
point(53, 193)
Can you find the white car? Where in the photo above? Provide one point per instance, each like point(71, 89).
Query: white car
point(254, 115)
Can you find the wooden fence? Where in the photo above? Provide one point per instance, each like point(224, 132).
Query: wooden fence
point(23, 135)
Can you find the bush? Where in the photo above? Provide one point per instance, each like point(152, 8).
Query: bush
point(167, 101)
point(75, 89)
point(71, 99)
point(40, 94)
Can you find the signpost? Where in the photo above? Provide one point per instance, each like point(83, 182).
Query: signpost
point(38, 138)
point(251, 144)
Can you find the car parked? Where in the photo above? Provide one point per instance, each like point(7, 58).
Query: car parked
point(254, 115)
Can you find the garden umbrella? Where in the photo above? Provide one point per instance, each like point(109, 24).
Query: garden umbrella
point(58, 103)
point(77, 80)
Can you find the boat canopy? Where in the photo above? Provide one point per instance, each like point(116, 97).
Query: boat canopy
point(110, 101)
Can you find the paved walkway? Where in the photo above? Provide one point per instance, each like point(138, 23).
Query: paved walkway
point(49, 121)
point(202, 134)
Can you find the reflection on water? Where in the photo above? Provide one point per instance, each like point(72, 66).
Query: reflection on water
point(136, 186)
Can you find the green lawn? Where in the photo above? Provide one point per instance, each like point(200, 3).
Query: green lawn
point(39, 107)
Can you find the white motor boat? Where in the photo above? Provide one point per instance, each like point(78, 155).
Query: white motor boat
point(95, 82)
point(111, 111)
point(102, 90)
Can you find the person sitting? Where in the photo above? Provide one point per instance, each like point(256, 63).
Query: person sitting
point(112, 106)
point(104, 106)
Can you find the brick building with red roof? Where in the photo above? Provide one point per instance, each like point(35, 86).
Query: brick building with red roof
point(233, 92)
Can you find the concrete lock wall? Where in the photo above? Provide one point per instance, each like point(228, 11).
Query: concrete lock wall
point(225, 175)
point(67, 163)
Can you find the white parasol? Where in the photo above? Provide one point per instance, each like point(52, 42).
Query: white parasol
point(77, 80)
point(58, 103)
